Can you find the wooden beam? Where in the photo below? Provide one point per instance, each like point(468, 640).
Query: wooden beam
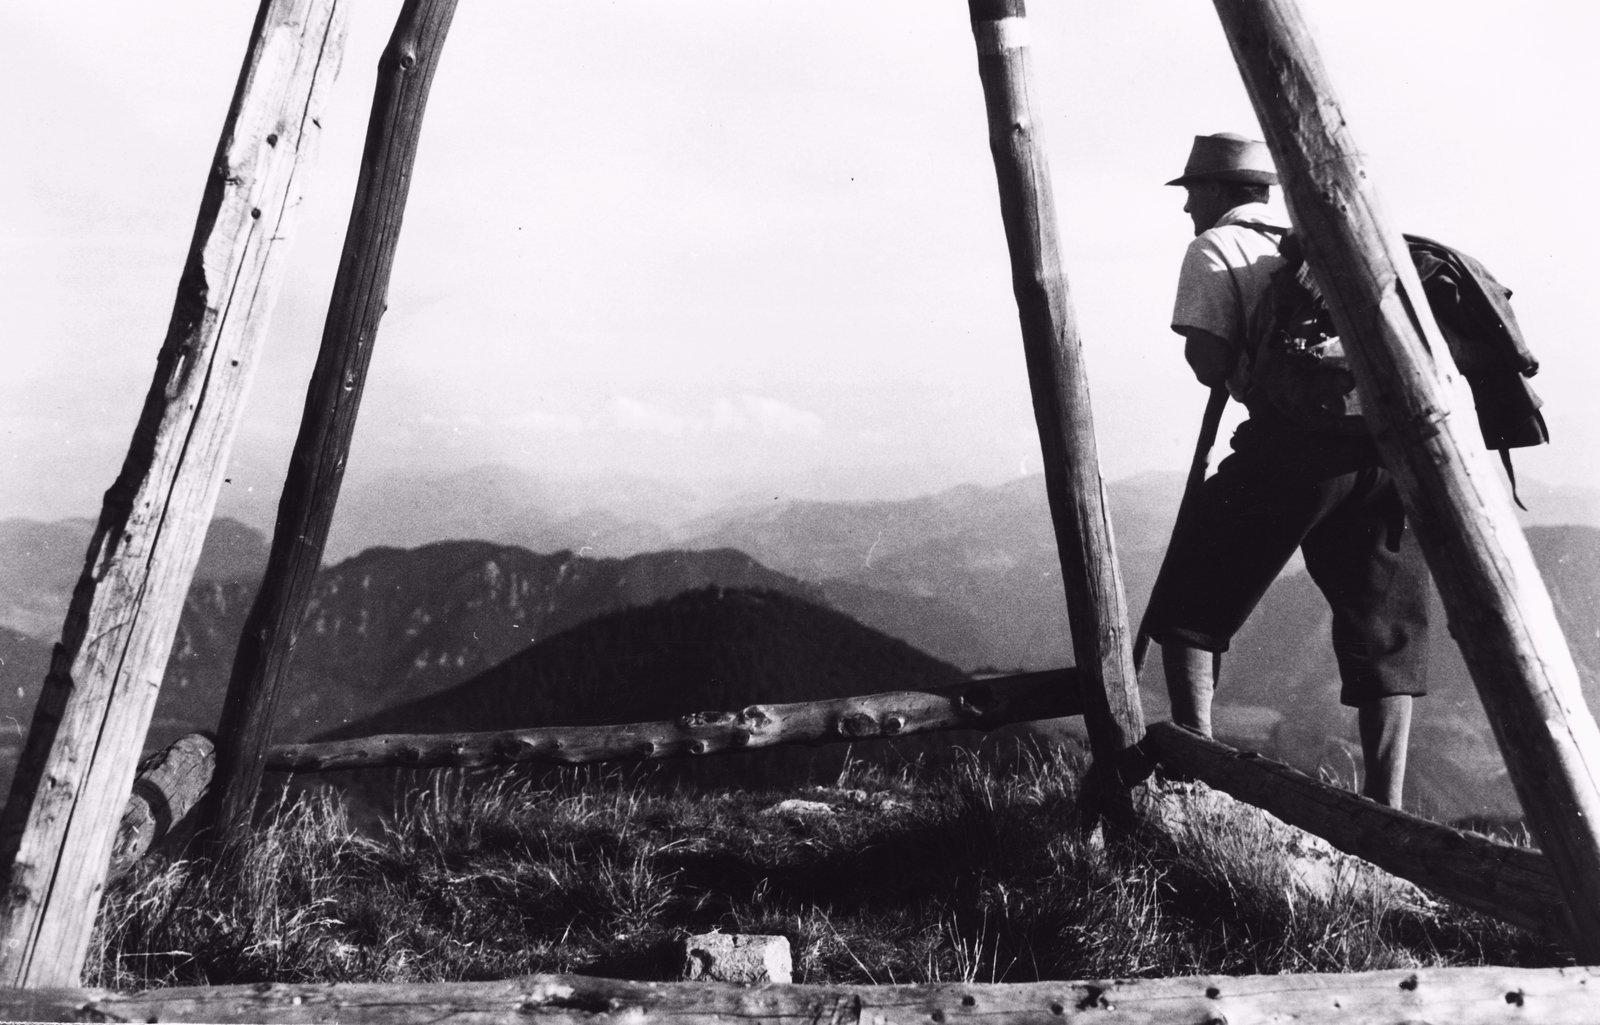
point(1096, 608)
point(1514, 884)
point(316, 468)
point(1498, 608)
point(170, 784)
point(1461, 996)
point(981, 705)
point(78, 762)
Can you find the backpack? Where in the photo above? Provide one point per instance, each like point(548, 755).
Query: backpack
point(1299, 366)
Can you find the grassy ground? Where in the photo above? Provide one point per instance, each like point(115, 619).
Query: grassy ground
point(969, 872)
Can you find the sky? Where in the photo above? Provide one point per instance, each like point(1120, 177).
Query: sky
point(745, 240)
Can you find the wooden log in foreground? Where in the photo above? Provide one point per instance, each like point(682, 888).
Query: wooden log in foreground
point(94, 710)
point(980, 705)
point(170, 784)
point(1460, 996)
point(1514, 884)
point(1096, 607)
point(1498, 608)
point(316, 467)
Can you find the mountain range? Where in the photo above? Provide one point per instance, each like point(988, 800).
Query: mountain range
point(970, 576)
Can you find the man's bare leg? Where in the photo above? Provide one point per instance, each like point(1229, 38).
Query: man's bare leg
point(1190, 685)
point(1385, 726)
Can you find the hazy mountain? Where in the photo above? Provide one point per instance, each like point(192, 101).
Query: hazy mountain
point(40, 564)
point(970, 576)
point(616, 515)
point(990, 551)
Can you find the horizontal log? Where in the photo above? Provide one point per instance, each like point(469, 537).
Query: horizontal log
point(979, 705)
point(169, 786)
point(1514, 884)
point(1461, 996)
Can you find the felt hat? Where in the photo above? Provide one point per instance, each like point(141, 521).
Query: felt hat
point(1228, 157)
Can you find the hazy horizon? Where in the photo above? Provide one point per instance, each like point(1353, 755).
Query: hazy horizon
point(731, 241)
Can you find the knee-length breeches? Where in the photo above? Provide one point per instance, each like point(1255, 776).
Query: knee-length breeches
point(1269, 498)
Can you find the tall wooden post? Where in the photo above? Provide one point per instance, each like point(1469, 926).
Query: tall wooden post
point(360, 296)
point(1096, 608)
point(83, 746)
point(1498, 608)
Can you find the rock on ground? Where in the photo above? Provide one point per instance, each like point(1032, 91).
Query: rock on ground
point(719, 957)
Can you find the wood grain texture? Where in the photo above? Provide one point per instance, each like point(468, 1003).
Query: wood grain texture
point(1102, 643)
point(1460, 996)
point(168, 787)
point(1514, 884)
point(1496, 602)
point(981, 705)
point(83, 745)
point(333, 398)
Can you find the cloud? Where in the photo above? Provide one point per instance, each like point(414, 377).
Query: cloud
point(538, 421)
point(763, 415)
point(630, 414)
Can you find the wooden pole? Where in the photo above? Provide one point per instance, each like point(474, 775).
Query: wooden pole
point(83, 745)
point(1096, 609)
point(1461, 996)
point(1514, 884)
point(316, 468)
point(1498, 608)
point(980, 705)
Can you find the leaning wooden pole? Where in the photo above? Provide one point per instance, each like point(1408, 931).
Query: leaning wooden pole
point(83, 746)
point(305, 510)
point(1096, 608)
point(1498, 608)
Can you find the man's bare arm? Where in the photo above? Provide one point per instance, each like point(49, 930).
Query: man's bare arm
point(1210, 357)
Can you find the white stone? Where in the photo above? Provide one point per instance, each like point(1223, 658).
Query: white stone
point(720, 957)
point(795, 808)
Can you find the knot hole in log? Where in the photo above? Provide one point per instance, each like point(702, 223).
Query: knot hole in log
point(857, 724)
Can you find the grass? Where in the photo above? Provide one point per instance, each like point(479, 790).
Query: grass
point(968, 872)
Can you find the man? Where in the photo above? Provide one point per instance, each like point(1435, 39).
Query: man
point(1283, 487)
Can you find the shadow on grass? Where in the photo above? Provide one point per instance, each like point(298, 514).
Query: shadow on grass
point(963, 872)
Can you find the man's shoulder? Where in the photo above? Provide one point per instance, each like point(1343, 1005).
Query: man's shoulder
point(1253, 223)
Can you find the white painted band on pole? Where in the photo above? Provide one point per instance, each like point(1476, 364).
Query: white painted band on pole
point(996, 37)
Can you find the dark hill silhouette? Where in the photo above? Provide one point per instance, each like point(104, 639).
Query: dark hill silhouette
point(709, 649)
point(390, 626)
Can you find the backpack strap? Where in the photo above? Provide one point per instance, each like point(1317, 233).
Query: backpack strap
point(1277, 235)
point(1511, 475)
point(1266, 229)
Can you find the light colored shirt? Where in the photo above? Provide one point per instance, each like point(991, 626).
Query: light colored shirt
point(1224, 278)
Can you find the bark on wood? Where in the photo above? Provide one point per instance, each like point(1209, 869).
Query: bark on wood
point(1461, 996)
point(1498, 608)
point(83, 745)
point(305, 510)
point(1514, 884)
point(981, 705)
point(169, 786)
point(1097, 610)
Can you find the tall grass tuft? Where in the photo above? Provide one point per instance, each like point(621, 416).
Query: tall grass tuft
point(963, 872)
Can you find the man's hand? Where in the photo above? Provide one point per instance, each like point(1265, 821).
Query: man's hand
point(1210, 357)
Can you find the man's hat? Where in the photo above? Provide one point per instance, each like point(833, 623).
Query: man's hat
point(1228, 158)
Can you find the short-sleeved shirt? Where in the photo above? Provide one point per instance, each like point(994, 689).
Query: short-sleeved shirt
point(1225, 275)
